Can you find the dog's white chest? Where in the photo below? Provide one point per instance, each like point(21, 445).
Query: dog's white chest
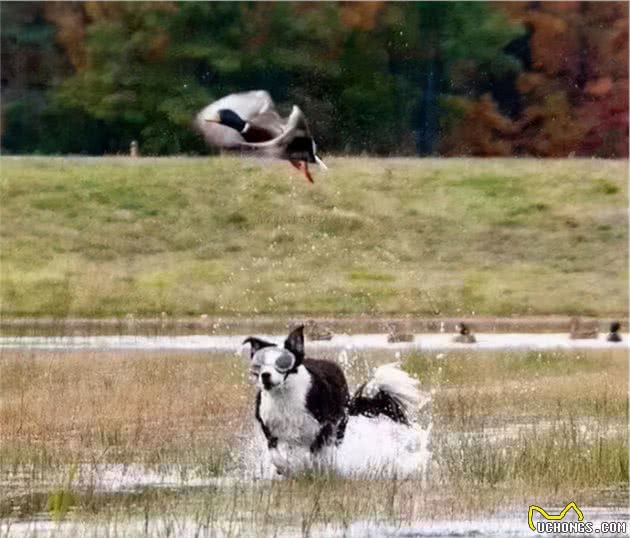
point(284, 411)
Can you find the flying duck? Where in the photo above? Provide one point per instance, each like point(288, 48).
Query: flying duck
point(248, 122)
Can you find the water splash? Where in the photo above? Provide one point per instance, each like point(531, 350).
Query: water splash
point(372, 448)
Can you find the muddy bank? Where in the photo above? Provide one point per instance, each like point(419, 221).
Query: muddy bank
point(209, 325)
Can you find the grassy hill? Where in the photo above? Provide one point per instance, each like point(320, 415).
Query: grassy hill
point(100, 237)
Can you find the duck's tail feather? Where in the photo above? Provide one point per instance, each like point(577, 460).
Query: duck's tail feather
point(321, 163)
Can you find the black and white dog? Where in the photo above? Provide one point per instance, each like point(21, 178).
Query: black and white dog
point(304, 403)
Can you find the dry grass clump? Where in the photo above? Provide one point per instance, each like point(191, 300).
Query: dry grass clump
point(494, 388)
point(120, 407)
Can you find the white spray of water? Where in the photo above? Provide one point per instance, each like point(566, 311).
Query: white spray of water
point(372, 448)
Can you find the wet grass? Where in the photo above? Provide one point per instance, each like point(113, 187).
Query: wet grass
point(496, 447)
point(110, 237)
point(478, 390)
point(292, 507)
point(566, 452)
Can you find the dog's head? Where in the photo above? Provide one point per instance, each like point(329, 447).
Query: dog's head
point(272, 365)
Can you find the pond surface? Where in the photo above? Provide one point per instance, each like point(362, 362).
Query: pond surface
point(505, 525)
point(215, 343)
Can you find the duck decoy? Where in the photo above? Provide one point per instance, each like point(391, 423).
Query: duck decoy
point(396, 334)
point(465, 336)
point(248, 122)
point(580, 330)
point(613, 335)
point(316, 331)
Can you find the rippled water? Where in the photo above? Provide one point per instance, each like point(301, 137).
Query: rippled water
point(509, 525)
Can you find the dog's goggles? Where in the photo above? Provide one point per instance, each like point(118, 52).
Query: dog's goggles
point(282, 360)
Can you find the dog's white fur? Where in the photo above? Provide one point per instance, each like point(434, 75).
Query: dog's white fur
point(266, 359)
point(283, 409)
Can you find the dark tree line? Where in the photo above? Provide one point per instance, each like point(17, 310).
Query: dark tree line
point(457, 78)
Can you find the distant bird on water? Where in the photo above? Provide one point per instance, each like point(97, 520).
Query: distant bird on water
point(613, 335)
point(465, 335)
point(248, 122)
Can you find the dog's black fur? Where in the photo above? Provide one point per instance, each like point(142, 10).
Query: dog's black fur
point(380, 404)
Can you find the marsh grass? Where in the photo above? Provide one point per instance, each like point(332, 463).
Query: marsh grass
point(562, 453)
point(64, 416)
point(489, 389)
point(101, 407)
point(112, 236)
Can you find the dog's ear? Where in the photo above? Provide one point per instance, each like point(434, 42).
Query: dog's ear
point(295, 343)
point(256, 344)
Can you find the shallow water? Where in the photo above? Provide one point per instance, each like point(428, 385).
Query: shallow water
point(506, 525)
point(373, 448)
point(426, 341)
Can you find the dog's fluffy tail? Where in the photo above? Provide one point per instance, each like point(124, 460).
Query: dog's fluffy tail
point(390, 392)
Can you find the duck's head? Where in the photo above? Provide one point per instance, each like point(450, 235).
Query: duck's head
point(227, 117)
point(462, 329)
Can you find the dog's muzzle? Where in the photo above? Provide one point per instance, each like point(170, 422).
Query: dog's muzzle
point(265, 378)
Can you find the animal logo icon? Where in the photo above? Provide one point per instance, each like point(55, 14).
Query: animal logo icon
point(552, 517)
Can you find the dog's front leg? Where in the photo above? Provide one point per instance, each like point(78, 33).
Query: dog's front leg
point(341, 430)
point(323, 438)
point(272, 441)
point(280, 459)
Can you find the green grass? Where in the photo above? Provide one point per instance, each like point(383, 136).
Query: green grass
point(113, 236)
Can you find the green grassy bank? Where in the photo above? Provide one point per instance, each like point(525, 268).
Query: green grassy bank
point(113, 236)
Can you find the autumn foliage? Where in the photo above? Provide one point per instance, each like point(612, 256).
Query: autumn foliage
point(574, 86)
point(547, 79)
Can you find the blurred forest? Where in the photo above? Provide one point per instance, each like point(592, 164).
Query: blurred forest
point(545, 79)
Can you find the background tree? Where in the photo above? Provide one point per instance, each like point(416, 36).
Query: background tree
point(575, 89)
point(457, 78)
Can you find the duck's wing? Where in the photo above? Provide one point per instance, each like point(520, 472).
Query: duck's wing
point(246, 104)
point(295, 141)
point(255, 107)
point(270, 122)
point(295, 126)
